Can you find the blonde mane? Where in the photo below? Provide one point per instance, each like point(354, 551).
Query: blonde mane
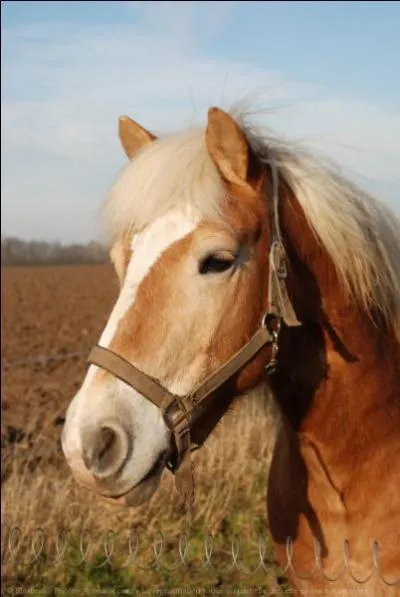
point(360, 234)
point(171, 172)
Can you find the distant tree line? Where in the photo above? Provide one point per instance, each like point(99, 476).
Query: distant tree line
point(19, 252)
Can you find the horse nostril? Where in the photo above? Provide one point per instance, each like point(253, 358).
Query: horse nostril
point(106, 449)
point(107, 444)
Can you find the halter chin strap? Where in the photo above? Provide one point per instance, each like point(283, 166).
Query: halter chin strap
point(180, 412)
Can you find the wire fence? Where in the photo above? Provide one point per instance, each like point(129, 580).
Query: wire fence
point(57, 550)
point(16, 544)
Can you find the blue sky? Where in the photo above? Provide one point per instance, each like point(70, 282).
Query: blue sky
point(328, 71)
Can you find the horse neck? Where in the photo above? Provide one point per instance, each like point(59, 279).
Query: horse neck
point(338, 371)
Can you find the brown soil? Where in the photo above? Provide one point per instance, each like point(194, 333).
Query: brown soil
point(53, 311)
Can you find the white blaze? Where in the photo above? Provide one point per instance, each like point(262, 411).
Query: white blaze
point(85, 409)
point(147, 248)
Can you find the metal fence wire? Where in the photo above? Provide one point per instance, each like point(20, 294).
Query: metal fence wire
point(16, 543)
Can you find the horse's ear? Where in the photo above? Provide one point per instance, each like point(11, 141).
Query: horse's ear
point(133, 136)
point(227, 146)
point(120, 254)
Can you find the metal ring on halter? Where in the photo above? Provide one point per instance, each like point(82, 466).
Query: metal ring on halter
point(171, 465)
point(267, 321)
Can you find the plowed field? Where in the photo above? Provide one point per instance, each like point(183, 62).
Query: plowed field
point(49, 312)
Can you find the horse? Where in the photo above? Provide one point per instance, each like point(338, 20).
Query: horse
point(242, 257)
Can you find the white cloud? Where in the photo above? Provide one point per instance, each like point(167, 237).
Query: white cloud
point(65, 86)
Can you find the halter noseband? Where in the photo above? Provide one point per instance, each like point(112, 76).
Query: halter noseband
point(179, 412)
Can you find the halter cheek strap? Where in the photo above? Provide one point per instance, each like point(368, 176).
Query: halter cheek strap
point(180, 412)
point(279, 303)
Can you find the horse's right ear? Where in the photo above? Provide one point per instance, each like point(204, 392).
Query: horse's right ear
point(133, 136)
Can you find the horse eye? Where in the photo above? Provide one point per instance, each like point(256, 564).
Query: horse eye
point(215, 265)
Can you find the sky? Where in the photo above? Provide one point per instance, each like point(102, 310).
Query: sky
point(323, 73)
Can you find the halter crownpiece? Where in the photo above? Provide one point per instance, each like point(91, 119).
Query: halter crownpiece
point(180, 412)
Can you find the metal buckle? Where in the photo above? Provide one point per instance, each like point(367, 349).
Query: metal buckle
point(278, 259)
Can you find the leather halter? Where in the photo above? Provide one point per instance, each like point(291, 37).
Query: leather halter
point(180, 412)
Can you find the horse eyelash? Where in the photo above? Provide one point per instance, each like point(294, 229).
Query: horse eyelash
point(214, 264)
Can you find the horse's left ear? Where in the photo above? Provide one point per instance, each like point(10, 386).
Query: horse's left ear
point(133, 136)
point(227, 146)
point(118, 256)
